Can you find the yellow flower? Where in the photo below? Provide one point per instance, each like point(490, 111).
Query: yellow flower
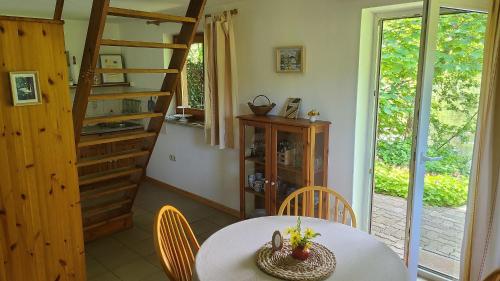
point(290, 230)
point(309, 232)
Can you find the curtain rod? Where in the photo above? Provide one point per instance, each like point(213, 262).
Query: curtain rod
point(233, 12)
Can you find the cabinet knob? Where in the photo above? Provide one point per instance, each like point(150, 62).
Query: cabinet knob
point(273, 183)
point(266, 181)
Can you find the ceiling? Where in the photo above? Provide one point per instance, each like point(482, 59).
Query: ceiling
point(80, 9)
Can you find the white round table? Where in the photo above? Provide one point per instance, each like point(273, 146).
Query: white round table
point(229, 254)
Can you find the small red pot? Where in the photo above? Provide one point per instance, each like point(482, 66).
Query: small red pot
point(300, 253)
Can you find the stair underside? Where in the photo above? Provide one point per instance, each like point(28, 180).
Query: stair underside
point(111, 165)
point(130, 95)
point(107, 175)
point(89, 161)
point(106, 190)
point(141, 44)
point(137, 70)
point(120, 117)
point(119, 12)
point(124, 136)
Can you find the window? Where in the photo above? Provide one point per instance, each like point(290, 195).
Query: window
point(191, 87)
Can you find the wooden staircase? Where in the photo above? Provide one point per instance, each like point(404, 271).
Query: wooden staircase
point(111, 165)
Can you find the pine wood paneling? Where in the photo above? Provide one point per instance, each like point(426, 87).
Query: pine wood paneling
point(41, 234)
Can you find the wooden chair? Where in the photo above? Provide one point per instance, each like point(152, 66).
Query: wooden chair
point(318, 202)
point(494, 276)
point(175, 244)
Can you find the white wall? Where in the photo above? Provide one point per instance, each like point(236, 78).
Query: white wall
point(330, 32)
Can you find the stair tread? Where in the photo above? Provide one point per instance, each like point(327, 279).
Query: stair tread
point(107, 190)
point(106, 175)
point(104, 207)
point(121, 136)
point(141, 44)
point(120, 12)
point(103, 222)
point(120, 117)
point(125, 95)
point(88, 161)
point(136, 70)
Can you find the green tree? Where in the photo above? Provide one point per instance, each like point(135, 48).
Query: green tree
point(195, 76)
point(455, 92)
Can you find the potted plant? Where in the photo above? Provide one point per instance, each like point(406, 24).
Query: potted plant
point(301, 241)
point(313, 115)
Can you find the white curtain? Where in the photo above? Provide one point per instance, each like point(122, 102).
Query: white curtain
point(481, 254)
point(221, 81)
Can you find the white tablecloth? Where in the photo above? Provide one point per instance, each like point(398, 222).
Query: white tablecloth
point(229, 254)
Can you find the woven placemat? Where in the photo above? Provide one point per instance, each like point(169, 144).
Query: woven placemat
point(320, 264)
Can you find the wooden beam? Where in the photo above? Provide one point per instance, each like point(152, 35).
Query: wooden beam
point(59, 9)
point(89, 61)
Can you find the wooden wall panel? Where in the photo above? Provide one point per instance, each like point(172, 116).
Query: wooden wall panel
point(40, 218)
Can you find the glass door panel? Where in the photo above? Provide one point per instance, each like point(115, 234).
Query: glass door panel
point(256, 175)
point(448, 87)
point(398, 68)
point(289, 163)
point(456, 84)
point(320, 153)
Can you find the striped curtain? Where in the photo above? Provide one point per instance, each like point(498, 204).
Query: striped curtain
point(221, 81)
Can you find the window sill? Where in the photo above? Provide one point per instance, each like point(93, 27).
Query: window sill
point(192, 124)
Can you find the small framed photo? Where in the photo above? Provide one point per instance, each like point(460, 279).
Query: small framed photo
point(25, 88)
point(112, 61)
point(292, 107)
point(290, 59)
point(277, 241)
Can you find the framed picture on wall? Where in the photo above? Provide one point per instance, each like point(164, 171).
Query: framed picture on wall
point(113, 62)
point(25, 88)
point(290, 59)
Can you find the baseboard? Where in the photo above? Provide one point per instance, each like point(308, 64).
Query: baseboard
point(195, 197)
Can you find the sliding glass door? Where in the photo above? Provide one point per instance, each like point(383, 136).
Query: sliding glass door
point(446, 104)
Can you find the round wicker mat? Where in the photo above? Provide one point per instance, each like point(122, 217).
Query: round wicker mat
point(320, 264)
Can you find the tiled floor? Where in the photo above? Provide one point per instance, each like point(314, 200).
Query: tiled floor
point(130, 255)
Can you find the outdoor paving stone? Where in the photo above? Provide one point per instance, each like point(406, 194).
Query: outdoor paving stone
point(442, 228)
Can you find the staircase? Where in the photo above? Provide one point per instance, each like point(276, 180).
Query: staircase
point(111, 165)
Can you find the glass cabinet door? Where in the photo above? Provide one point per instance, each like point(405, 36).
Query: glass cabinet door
point(319, 168)
point(288, 144)
point(256, 170)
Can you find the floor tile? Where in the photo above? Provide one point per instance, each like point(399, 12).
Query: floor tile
point(105, 277)
point(116, 258)
point(158, 276)
point(133, 236)
point(143, 248)
point(94, 268)
point(204, 226)
point(135, 270)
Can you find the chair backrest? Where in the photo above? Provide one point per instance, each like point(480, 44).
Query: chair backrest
point(494, 276)
point(175, 243)
point(319, 202)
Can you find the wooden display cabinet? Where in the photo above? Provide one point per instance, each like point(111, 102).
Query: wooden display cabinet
point(277, 157)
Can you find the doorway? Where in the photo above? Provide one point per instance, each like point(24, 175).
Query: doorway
point(427, 97)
